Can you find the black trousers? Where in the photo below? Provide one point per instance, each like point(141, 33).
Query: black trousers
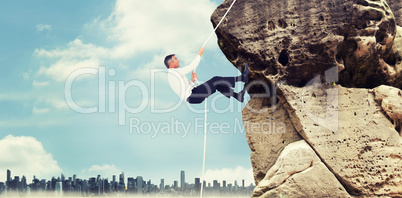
point(222, 84)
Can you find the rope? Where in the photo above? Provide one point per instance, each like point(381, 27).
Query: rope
point(205, 146)
point(219, 23)
point(205, 113)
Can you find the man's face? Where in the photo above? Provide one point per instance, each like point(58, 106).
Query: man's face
point(175, 63)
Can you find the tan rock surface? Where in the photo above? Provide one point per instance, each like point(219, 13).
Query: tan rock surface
point(268, 131)
point(298, 172)
point(390, 100)
point(351, 134)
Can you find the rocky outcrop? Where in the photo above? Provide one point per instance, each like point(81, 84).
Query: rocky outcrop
point(351, 134)
point(266, 126)
point(354, 133)
point(299, 172)
point(293, 41)
point(324, 119)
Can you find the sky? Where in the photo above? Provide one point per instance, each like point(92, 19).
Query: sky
point(84, 91)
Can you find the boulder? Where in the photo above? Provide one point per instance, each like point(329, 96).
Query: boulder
point(353, 131)
point(350, 133)
point(266, 125)
point(299, 172)
point(292, 41)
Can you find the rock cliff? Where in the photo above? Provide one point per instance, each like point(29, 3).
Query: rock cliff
point(324, 118)
point(292, 41)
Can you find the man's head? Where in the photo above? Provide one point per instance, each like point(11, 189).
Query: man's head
point(171, 61)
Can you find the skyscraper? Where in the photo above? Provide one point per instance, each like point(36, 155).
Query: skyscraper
point(131, 184)
point(8, 175)
point(74, 179)
point(8, 179)
point(182, 181)
point(216, 185)
point(162, 185)
point(122, 186)
point(197, 185)
point(23, 182)
point(140, 186)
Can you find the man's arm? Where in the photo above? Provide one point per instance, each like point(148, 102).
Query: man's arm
point(189, 68)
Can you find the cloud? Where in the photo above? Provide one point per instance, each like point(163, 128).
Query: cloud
point(76, 49)
point(43, 27)
point(60, 70)
point(104, 170)
point(40, 84)
point(230, 175)
point(26, 156)
point(36, 110)
point(133, 28)
point(141, 26)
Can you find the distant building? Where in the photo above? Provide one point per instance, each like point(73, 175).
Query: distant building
point(62, 178)
point(58, 189)
point(23, 183)
point(216, 185)
point(74, 180)
point(197, 185)
point(162, 185)
point(122, 186)
point(8, 175)
point(131, 184)
point(114, 184)
point(182, 181)
point(2, 188)
point(140, 185)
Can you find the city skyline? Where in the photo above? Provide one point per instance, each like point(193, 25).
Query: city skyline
point(100, 186)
